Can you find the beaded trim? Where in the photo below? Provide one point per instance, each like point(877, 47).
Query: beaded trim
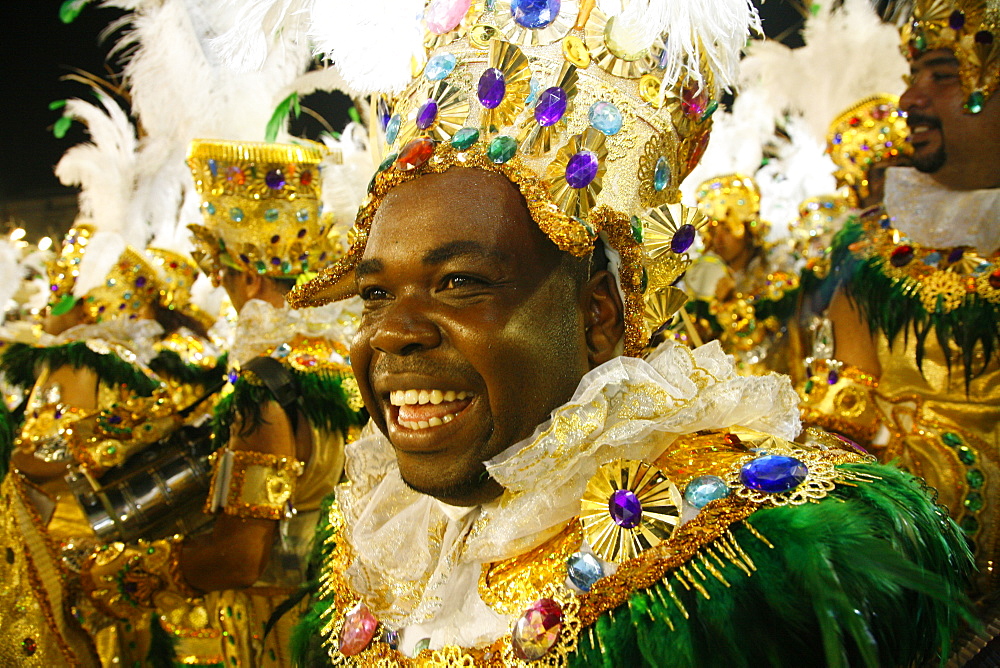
point(943, 279)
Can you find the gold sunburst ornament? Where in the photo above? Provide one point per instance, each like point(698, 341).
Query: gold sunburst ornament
point(439, 116)
point(551, 109)
point(629, 506)
point(575, 175)
point(661, 305)
point(504, 87)
point(668, 232)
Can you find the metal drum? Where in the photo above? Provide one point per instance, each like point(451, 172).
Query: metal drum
point(158, 492)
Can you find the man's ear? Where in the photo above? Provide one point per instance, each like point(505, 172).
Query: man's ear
point(254, 284)
point(604, 317)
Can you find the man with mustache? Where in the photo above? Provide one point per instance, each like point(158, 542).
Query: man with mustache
point(916, 319)
point(539, 486)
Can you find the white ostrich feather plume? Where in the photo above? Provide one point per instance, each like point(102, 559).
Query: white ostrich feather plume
point(801, 169)
point(849, 54)
point(183, 89)
point(104, 168)
point(258, 27)
point(716, 28)
point(371, 43)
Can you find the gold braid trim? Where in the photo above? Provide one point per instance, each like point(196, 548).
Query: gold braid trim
point(711, 525)
point(252, 485)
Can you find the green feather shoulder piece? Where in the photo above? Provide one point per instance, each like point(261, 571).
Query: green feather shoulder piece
point(332, 406)
point(952, 293)
point(169, 364)
point(21, 362)
point(872, 575)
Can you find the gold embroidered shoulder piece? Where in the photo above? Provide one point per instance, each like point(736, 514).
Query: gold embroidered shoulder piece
point(556, 592)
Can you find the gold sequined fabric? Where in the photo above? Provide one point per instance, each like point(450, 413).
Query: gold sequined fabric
point(948, 435)
point(36, 630)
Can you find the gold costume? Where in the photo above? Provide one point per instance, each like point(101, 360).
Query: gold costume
point(935, 407)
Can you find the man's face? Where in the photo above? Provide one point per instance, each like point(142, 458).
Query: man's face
point(725, 243)
point(472, 331)
point(941, 132)
point(235, 284)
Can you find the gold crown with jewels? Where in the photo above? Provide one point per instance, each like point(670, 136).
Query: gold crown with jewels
point(595, 118)
point(971, 30)
point(261, 208)
point(870, 131)
point(129, 287)
point(732, 200)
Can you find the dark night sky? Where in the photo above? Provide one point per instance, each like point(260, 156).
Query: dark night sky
point(38, 49)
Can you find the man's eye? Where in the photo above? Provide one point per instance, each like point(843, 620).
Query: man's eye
point(944, 76)
point(461, 281)
point(372, 293)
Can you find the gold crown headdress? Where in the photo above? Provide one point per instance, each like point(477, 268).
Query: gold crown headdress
point(732, 200)
point(818, 219)
point(64, 268)
point(177, 276)
point(971, 30)
point(595, 118)
point(123, 284)
point(129, 287)
point(870, 131)
point(261, 208)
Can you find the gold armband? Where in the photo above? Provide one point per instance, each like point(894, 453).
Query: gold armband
point(840, 398)
point(124, 581)
point(252, 484)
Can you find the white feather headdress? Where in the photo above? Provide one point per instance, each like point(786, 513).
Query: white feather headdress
point(105, 171)
point(346, 172)
point(181, 90)
point(849, 53)
point(787, 99)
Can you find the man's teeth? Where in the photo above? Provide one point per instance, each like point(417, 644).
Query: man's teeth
point(424, 424)
point(414, 397)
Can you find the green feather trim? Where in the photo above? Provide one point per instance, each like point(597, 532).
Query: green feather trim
point(326, 409)
point(7, 426)
point(306, 642)
point(21, 364)
point(873, 575)
point(162, 648)
point(168, 364)
point(782, 308)
point(975, 322)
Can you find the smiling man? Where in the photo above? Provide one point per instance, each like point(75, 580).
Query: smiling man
point(539, 485)
point(471, 330)
point(916, 323)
